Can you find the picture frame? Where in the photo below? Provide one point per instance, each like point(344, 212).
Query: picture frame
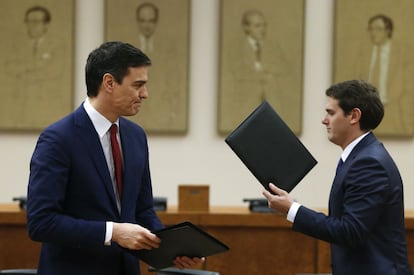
point(379, 30)
point(270, 69)
point(37, 62)
point(164, 27)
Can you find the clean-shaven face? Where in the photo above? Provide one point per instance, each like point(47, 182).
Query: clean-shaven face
point(337, 123)
point(256, 26)
point(36, 25)
point(378, 32)
point(147, 21)
point(129, 95)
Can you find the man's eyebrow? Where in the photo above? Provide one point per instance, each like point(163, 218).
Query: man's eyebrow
point(140, 81)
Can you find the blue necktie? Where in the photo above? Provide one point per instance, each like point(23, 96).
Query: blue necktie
point(339, 166)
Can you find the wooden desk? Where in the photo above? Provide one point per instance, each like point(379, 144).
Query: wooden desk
point(259, 243)
point(16, 249)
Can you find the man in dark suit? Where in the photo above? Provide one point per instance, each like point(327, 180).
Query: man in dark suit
point(365, 225)
point(86, 208)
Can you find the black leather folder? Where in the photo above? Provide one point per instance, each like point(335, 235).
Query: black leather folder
point(270, 150)
point(183, 239)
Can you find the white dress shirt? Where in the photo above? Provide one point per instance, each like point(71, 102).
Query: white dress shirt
point(146, 43)
point(254, 44)
point(383, 54)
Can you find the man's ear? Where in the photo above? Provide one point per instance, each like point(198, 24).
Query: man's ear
point(356, 115)
point(108, 82)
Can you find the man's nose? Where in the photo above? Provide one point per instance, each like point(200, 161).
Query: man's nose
point(143, 93)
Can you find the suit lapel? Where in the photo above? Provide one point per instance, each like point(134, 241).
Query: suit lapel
point(129, 151)
point(339, 177)
point(87, 133)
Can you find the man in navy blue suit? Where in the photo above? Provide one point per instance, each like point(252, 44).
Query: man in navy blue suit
point(365, 225)
point(85, 223)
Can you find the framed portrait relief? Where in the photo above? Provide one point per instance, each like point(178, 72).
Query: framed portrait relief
point(374, 42)
point(160, 28)
point(261, 55)
point(36, 62)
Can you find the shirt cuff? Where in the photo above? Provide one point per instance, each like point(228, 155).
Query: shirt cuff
point(292, 211)
point(108, 233)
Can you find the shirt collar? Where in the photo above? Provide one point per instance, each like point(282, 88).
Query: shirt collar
point(253, 42)
point(348, 149)
point(385, 48)
point(101, 123)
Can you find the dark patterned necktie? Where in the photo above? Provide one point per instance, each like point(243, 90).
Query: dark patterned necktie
point(339, 166)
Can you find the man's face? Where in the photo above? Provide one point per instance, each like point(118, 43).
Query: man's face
point(337, 123)
point(147, 21)
point(256, 26)
point(378, 32)
point(128, 96)
point(36, 25)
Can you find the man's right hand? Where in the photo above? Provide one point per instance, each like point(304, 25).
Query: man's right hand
point(133, 236)
point(281, 201)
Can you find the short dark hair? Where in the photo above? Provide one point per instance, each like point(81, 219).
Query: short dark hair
point(362, 95)
point(149, 5)
point(115, 58)
point(387, 22)
point(47, 16)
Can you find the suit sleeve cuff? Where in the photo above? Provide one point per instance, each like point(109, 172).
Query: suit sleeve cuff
point(293, 210)
point(108, 233)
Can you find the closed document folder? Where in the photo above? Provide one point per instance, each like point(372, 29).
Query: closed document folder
point(270, 150)
point(183, 239)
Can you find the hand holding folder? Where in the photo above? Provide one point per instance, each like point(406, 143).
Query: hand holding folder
point(183, 239)
point(270, 150)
